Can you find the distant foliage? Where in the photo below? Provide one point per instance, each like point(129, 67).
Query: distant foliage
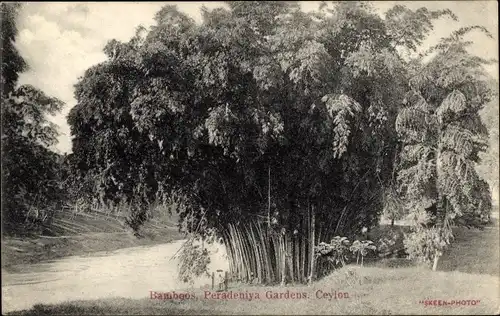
point(425, 242)
point(31, 171)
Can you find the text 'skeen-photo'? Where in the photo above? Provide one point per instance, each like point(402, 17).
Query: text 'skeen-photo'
point(250, 158)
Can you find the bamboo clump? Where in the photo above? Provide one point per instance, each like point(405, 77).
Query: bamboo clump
point(259, 254)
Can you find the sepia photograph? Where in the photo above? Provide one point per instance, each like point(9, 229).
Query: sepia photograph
point(250, 158)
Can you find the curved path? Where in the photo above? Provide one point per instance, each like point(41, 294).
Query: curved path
point(129, 272)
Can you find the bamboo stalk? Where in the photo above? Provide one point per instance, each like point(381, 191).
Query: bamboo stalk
point(311, 274)
point(251, 252)
point(228, 251)
point(246, 263)
point(244, 252)
point(289, 258)
point(276, 260)
point(256, 252)
point(269, 197)
point(259, 256)
point(282, 259)
point(237, 248)
point(303, 251)
point(277, 256)
point(233, 255)
point(265, 249)
point(248, 253)
point(296, 258)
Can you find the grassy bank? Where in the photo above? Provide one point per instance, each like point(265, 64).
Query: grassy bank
point(17, 251)
point(370, 290)
point(81, 235)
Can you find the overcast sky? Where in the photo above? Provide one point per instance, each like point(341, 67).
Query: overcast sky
point(61, 40)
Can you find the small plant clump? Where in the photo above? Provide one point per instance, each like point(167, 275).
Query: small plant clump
point(361, 248)
point(193, 263)
point(338, 252)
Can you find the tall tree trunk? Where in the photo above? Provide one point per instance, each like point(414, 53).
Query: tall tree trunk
point(440, 210)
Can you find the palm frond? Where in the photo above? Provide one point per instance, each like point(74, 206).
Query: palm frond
point(455, 102)
point(414, 181)
point(459, 140)
point(414, 153)
point(413, 124)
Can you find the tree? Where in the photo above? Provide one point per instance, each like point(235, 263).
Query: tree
point(12, 62)
point(31, 183)
point(442, 135)
point(258, 103)
point(272, 126)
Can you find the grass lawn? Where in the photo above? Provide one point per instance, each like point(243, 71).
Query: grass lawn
point(474, 251)
point(370, 290)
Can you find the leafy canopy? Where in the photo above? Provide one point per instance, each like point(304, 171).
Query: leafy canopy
point(30, 170)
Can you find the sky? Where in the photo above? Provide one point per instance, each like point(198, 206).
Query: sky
point(59, 40)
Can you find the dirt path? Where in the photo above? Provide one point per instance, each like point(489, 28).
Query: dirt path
point(129, 273)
